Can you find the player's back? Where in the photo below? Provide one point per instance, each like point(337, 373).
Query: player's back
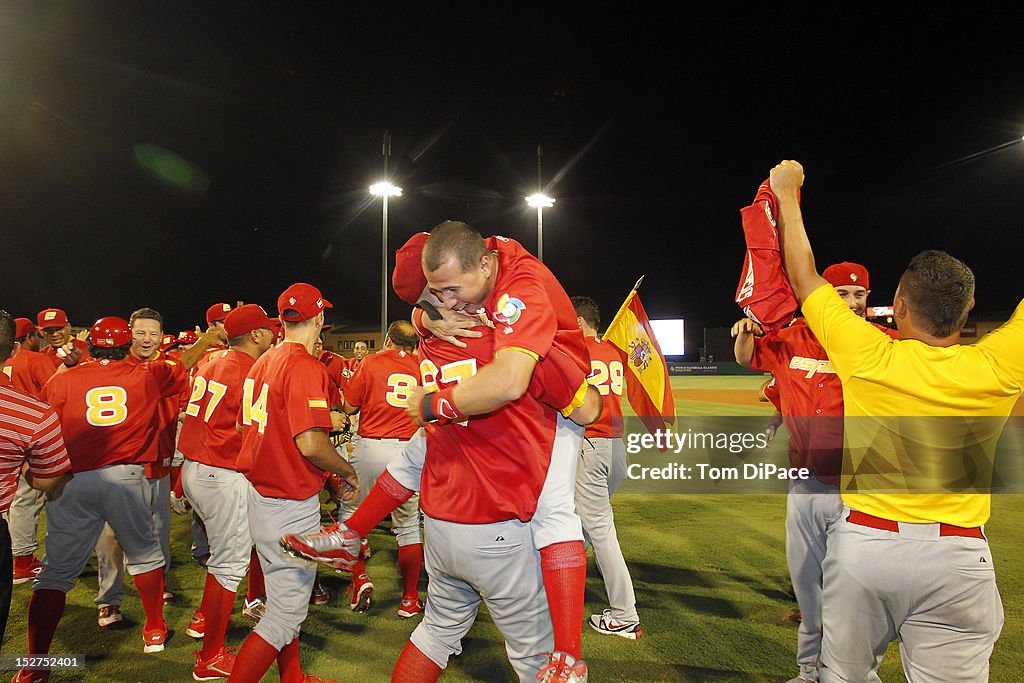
point(284, 394)
point(380, 388)
point(606, 373)
point(208, 433)
point(108, 410)
point(29, 371)
point(491, 467)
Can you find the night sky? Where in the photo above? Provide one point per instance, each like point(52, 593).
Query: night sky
point(173, 155)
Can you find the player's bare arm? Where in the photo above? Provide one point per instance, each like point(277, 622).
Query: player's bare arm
point(316, 447)
point(744, 332)
point(786, 179)
point(451, 326)
point(190, 356)
point(502, 381)
point(51, 486)
point(590, 411)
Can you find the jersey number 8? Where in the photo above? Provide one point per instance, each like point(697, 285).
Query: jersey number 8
point(106, 406)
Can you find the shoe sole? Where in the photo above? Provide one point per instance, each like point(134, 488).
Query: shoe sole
point(250, 615)
point(191, 633)
point(211, 677)
point(18, 582)
point(407, 615)
point(363, 599)
point(104, 623)
point(150, 649)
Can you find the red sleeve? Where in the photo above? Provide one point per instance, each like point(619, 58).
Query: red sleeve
point(306, 399)
point(170, 376)
point(765, 354)
point(355, 390)
point(523, 316)
point(47, 455)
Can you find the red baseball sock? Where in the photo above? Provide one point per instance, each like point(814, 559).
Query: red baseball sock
point(288, 667)
point(45, 608)
point(253, 660)
point(564, 567)
point(151, 592)
point(176, 482)
point(256, 588)
point(410, 562)
point(216, 608)
point(385, 496)
point(414, 667)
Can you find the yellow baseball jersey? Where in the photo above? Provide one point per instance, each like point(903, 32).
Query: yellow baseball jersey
point(922, 422)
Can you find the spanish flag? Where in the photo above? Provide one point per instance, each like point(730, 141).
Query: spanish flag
point(647, 383)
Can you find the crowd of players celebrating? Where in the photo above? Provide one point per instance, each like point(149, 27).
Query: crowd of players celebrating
point(489, 428)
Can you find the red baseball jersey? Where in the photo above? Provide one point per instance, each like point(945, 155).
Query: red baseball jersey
point(810, 397)
point(380, 389)
point(208, 433)
point(51, 353)
point(490, 468)
point(606, 374)
point(337, 370)
point(29, 429)
point(528, 307)
point(167, 424)
point(29, 371)
point(284, 395)
point(108, 409)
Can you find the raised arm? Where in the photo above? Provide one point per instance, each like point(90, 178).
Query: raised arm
point(797, 257)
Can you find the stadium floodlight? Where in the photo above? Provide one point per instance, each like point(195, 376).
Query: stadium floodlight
point(540, 201)
point(384, 190)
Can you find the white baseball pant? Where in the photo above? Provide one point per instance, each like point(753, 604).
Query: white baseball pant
point(23, 518)
point(220, 497)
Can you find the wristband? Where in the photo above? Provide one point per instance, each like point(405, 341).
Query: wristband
point(439, 404)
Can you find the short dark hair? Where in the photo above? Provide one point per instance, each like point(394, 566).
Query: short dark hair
point(109, 352)
point(940, 289)
point(453, 238)
point(146, 314)
point(7, 330)
point(587, 309)
point(403, 335)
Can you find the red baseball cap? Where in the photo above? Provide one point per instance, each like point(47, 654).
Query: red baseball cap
point(216, 313)
point(23, 327)
point(301, 302)
point(846, 273)
point(277, 328)
point(51, 317)
point(245, 319)
point(408, 279)
point(167, 341)
point(187, 337)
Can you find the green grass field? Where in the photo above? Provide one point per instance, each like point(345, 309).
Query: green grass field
point(709, 571)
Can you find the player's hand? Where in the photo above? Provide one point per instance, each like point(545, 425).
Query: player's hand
point(772, 429)
point(746, 326)
point(452, 325)
point(342, 488)
point(787, 178)
point(340, 421)
point(416, 395)
point(213, 335)
point(69, 354)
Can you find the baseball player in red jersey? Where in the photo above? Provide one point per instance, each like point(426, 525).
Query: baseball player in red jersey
point(56, 331)
point(26, 330)
point(285, 421)
point(218, 492)
point(108, 411)
point(524, 302)
point(602, 468)
point(810, 396)
point(147, 334)
point(28, 371)
point(29, 433)
point(379, 392)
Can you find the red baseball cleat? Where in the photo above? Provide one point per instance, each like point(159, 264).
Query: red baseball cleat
point(217, 666)
point(336, 546)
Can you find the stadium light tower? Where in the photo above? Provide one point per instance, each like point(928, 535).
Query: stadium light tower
point(385, 190)
point(540, 201)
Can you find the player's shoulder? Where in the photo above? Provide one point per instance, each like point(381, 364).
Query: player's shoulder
point(20, 401)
